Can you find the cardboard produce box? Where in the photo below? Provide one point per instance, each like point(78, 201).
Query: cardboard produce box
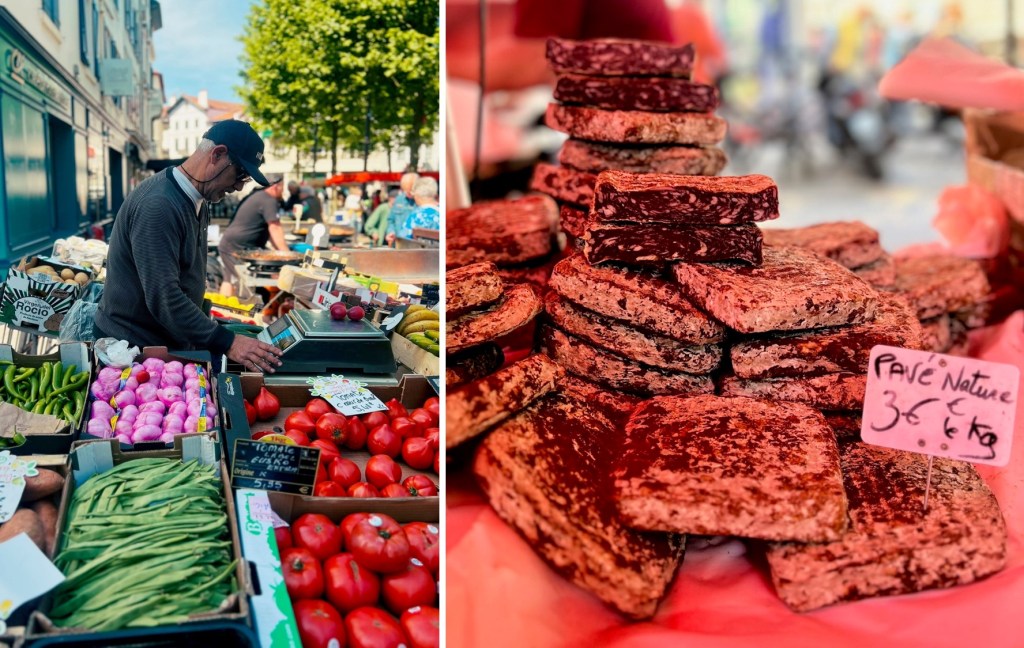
point(411, 392)
point(76, 353)
point(418, 359)
point(40, 300)
point(228, 626)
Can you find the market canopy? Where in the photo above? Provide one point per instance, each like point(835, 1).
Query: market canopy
point(362, 177)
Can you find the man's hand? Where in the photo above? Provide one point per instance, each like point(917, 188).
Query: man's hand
point(254, 355)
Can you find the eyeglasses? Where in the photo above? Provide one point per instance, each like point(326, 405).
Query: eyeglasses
point(241, 175)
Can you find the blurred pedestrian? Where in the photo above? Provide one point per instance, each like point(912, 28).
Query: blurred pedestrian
point(377, 224)
point(427, 215)
point(404, 204)
point(311, 206)
point(293, 197)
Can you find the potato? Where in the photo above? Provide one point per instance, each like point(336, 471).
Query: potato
point(82, 278)
point(67, 273)
point(25, 520)
point(71, 282)
point(46, 483)
point(47, 513)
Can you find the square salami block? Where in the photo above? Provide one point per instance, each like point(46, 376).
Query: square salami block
point(616, 372)
point(564, 184)
point(639, 299)
point(828, 350)
point(629, 342)
point(834, 391)
point(940, 283)
point(657, 244)
point(596, 157)
point(618, 57)
point(573, 220)
point(473, 408)
point(517, 308)
point(654, 94)
point(846, 425)
point(545, 472)
point(731, 466)
point(793, 289)
point(503, 232)
point(849, 243)
point(684, 200)
point(473, 364)
point(635, 127)
point(894, 546)
point(881, 273)
point(471, 288)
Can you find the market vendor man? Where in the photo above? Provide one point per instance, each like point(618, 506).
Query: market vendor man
point(156, 262)
point(257, 221)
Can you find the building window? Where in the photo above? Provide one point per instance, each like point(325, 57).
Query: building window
point(83, 32)
point(95, 39)
point(52, 10)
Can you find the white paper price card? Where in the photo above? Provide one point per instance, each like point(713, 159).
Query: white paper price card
point(350, 397)
point(13, 471)
point(940, 405)
point(27, 573)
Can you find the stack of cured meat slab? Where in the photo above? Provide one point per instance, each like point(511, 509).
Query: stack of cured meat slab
point(851, 244)
point(630, 106)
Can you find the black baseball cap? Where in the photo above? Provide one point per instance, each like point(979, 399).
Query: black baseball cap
point(243, 143)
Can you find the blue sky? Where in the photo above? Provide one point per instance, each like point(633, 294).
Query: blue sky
point(198, 46)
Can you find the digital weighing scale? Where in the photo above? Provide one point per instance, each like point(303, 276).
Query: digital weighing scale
point(314, 344)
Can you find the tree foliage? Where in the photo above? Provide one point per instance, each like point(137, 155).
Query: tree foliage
point(314, 68)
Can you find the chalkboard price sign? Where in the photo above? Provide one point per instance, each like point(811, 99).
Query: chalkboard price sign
point(274, 466)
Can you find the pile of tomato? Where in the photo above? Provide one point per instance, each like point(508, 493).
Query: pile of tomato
point(368, 582)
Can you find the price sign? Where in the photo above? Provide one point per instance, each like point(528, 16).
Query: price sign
point(350, 397)
point(939, 405)
point(274, 466)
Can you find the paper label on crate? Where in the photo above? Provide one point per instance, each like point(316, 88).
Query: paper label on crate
point(940, 405)
point(324, 299)
point(350, 397)
point(28, 573)
point(13, 471)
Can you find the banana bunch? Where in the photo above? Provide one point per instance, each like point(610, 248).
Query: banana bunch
point(422, 327)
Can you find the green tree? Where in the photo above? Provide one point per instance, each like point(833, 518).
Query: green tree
point(314, 69)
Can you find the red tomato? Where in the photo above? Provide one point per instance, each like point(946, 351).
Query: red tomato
point(349, 585)
point(422, 626)
point(321, 472)
point(384, 440)
point(299, 420)
point(420, 486)
point(396, 409)
point(349, 522)
point(250, 412)
point(437, 463)
point(355, 438)
point(317, 533)
point(303, 575)
point(418, 453)
point(395, 490)
point(375, 419)
point(317, 407)
point(320, 625)
point(328, 451)
point(370, 627)
point(298, 436)
point(379, 543)
point(433, 405)
point(363, 489)
point(408, 588)
point(425, 544)
point(405, 427)
point(332, 427)
point(382, 470)
point(329, 489)
point(422, 418)
point(344, 471)
point(434, 436)
point(283, 535)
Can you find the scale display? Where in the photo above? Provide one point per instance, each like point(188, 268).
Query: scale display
point(282, 334)
point(312, 342)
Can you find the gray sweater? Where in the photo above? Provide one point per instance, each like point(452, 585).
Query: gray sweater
point(156, 271)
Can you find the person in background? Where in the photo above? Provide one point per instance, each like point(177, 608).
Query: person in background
point(311, 207)
point(691, 25)
point(353, 207)
point(156, 263)
point(256, 222)
point(426, 215)
point(403, 206)
point(377, 224)
point(293, 197)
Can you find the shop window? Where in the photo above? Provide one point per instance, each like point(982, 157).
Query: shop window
point(51, 7)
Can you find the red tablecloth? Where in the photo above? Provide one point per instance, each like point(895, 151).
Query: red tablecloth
point(499, 593)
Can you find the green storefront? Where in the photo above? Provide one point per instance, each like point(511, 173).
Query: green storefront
point(56, 176)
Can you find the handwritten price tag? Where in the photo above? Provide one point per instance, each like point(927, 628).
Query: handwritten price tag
point(939, 405)
point(350, 397)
